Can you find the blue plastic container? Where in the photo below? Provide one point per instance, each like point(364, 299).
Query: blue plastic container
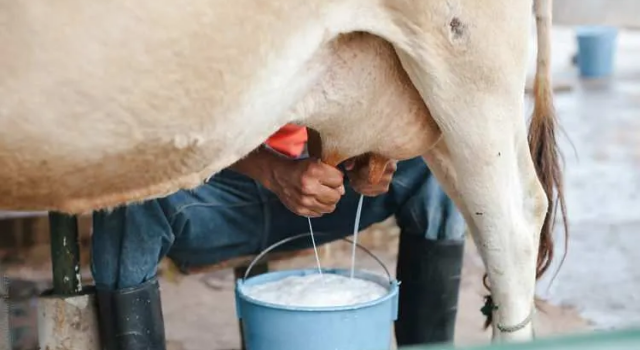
point(596, 50)
point(365, 326)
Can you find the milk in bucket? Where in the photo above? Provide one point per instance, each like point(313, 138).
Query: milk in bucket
point(315, 290)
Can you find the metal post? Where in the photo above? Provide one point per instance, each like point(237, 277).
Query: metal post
point(65, 254)
point(67, 314)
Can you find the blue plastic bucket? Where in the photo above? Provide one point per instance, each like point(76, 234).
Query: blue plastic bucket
point(596, 50)
point(364, 326)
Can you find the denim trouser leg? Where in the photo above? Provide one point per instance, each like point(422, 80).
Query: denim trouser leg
point(232, 215)
point(426, 210)
point(216, 221)
point(127, 244)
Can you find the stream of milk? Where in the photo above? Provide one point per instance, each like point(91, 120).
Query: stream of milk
point(356, 227)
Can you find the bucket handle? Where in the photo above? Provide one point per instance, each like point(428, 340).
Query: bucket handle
point(292, 238)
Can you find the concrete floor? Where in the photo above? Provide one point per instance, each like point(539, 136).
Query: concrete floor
point(602, 120)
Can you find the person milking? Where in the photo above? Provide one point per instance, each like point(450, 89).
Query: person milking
point(262, 199)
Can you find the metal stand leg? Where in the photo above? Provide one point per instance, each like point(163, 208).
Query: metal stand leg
point(239, 272)
point(67, 314)
point(65, 254)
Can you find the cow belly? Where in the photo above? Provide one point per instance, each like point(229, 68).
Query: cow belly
point(85, 167)
point(47, 176)
point(103, 120)
point(90, 146)
point(365, 103)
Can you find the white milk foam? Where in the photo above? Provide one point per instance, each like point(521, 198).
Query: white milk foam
point(315, 290)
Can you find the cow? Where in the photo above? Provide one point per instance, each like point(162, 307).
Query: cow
point(104, 103)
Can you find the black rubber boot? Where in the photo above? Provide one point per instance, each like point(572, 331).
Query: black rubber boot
point(429, 273)
point(131, 318)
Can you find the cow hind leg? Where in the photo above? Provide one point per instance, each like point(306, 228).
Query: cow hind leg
point(492, 180)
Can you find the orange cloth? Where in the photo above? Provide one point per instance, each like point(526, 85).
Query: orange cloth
point(289, 140)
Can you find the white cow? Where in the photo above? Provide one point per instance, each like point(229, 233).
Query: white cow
point(108, 102)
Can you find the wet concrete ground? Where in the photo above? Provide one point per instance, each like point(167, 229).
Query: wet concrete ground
point(600, 276)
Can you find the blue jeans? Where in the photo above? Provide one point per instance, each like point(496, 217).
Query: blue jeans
point(233, 215)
